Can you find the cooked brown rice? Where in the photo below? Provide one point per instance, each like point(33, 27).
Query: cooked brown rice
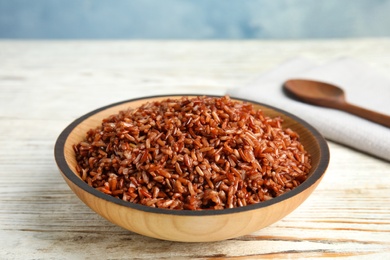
point(192, 153)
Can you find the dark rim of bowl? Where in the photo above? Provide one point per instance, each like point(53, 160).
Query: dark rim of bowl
point(69, 174)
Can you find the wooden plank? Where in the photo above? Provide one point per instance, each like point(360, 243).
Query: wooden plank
point(46, 85)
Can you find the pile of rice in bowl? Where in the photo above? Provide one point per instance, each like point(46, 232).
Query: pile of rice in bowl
point(193, 154)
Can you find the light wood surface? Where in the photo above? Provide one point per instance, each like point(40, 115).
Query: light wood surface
point(46, 85)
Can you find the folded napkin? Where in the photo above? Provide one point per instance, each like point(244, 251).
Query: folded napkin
point(363, 86)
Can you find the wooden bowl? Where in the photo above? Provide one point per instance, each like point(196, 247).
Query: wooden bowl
point(187, 225)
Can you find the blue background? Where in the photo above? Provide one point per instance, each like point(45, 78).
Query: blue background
point(196, 19)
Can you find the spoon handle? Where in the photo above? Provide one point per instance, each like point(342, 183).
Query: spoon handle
point(370, 115)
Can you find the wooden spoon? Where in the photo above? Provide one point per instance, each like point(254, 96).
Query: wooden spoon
point(327, 95)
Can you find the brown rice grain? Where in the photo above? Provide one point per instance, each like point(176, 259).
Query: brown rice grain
point(192, 153)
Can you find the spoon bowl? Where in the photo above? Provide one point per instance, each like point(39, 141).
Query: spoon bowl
point(328, 95)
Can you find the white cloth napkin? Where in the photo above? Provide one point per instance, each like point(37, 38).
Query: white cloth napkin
point(362, 84)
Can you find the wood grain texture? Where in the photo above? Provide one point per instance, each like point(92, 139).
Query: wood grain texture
point(46, 85)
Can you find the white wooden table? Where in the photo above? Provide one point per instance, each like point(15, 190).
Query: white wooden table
point(46, 85)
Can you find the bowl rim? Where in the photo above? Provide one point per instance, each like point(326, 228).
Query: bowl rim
point(70, 175)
